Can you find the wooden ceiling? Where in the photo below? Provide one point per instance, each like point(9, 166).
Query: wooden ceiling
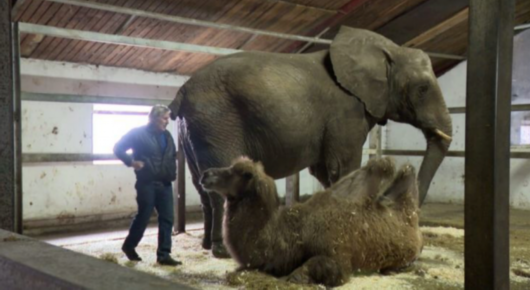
point(432, 25)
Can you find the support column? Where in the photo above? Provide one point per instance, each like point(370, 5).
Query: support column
point(374, 142)
point(7, 133)
point(17, 111)
point(292, 189)
point(180, 191)
point(487, 165)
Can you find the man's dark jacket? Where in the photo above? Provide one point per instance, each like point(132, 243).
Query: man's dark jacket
point(158, 165)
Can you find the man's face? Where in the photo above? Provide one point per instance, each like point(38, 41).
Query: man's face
point(160, 123)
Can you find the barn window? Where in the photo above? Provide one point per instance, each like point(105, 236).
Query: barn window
point(111, 122)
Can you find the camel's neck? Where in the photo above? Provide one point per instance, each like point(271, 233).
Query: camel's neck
point(247, 231)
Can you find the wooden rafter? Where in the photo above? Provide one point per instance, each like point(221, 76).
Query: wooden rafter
point(440, 28)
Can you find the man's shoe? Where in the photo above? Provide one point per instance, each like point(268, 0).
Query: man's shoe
point(131, 254)
point(168, 261)
point(219, 250)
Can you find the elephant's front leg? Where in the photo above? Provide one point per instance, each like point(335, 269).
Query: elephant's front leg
point(343, 149)
point(319, 270)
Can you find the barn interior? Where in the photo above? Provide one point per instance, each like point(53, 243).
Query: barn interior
point(75, 75)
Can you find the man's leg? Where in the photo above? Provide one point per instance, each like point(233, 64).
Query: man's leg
point(145, 197)
point(164, 207)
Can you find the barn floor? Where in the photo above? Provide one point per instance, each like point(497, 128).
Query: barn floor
point(441, 265)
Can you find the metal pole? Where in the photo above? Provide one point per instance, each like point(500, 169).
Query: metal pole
point(375, 141)
point(292, 189)
point(61, 98)
point(18, 129)
point(190, 21)
point(7, 133)
point(487, 164)
point(181, 190)
point(522, 26)
point(120, 39)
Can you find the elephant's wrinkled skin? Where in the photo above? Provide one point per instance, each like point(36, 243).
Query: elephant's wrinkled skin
point(292, 111)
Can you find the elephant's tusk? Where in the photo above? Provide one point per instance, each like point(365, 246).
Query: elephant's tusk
point(443, 135)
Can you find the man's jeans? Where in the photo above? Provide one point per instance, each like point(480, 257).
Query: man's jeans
point(149, 196)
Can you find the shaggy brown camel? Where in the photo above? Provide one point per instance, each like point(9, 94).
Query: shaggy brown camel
point(368, 221)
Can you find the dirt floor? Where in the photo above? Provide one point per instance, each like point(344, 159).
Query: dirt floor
point(440, 266)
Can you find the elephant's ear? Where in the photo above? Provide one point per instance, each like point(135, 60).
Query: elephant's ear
point(359, 58)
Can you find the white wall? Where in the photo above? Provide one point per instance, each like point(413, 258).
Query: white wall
point(448, 184)
point(64, 193)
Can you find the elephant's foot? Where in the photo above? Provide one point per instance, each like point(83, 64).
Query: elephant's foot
point(219, 250)
point(206, 243)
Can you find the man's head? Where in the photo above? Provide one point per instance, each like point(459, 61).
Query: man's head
point(159, 117)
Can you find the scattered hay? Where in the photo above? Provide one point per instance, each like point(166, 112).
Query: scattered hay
point(109, 258)
point(521, 272)
point(440, 266)
point(11, 238)
point(254, 280)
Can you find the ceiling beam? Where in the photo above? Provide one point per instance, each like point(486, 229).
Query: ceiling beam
point(122, 40)
point(440, 28)
point(420, 19)
point(522, 26)
point(99, 73)
point(183, 20)
point(17, 10)
point(147, 43)
point(176, 19)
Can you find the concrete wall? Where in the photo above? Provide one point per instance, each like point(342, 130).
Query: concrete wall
point(67, 193)
point(448, 184)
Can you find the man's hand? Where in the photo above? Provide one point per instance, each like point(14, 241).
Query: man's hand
point(137, 165)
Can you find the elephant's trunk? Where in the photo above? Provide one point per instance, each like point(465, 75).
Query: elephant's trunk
point(174, 106)
point(437, 147)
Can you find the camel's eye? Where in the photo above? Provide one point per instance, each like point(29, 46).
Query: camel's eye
point(248, 175)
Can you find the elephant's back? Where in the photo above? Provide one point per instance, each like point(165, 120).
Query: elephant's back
point(268, 106)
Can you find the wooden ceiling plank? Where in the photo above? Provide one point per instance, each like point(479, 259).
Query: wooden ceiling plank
point(26, 14)
point(376, 13)
point(440, 28)
point(111, 22)
point(332, 21)
point(102, 50)
point(167, 59)
point(66, 45)
point(277, 24)
point(19, 8)
point(170, 61)
point(298, 25)
point(68, 20)
point(144, 5)
point(424, 16)
point(151, 56)
point(325, 6)
point(49, 43)
point(94, 24)
point(160, 32)
point(459, 38)
point(45, 13)
point(148, 29)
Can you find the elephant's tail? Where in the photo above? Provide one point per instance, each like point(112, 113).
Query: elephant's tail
point(174, 106)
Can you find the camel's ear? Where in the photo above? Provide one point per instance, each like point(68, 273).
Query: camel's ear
point(360, 60)
point(403, 190)
point(364, 185)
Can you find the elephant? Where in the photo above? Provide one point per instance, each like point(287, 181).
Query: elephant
point(312, 110)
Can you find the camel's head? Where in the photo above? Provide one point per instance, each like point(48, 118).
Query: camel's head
point(244, 179)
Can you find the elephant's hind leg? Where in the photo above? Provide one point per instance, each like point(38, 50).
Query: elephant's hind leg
point(206, 206)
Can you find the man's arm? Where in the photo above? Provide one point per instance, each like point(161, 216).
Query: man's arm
point(121, 147)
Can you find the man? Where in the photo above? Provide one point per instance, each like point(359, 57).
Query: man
point(154, 164)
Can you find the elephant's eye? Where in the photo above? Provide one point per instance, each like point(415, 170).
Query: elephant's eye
point(423, 89)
